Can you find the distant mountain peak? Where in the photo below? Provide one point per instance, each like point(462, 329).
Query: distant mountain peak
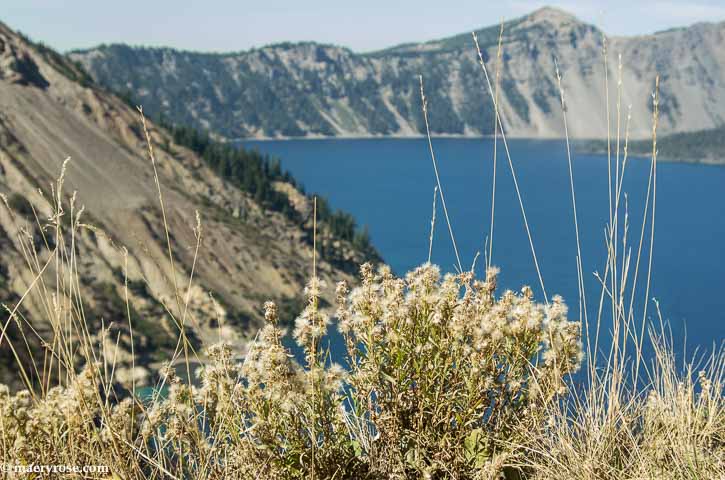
point(552, 15)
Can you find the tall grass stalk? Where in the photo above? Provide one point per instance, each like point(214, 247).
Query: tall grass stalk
point(424, 102)
point(482, 63)
point(499, 52)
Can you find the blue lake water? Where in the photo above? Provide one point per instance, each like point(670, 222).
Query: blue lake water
point(387, 184)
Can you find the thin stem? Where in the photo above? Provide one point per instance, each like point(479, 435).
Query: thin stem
point(495, 145)
point(432, 224)
point(580, 271)
point(513, 172)
point(438, 179)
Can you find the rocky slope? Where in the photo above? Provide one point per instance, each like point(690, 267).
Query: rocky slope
point(50, 111)
point(308, 89)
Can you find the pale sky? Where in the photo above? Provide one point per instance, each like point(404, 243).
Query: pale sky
point(363, 25)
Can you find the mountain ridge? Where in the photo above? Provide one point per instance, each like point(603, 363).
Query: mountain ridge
point(298, 90)
point(282, 43)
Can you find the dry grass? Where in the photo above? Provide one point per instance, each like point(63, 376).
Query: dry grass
point(446, 379)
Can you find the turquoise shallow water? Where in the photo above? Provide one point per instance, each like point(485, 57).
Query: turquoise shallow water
point(388, 185)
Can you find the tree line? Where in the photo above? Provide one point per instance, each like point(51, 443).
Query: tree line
point(255, 173)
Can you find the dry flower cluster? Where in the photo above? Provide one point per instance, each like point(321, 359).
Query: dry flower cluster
point(440, 385)
point(445, 381)
point(446, 375)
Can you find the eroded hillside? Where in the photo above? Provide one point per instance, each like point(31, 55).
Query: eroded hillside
point(50, 111)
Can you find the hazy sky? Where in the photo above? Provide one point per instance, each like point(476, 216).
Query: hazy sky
point(363, 25)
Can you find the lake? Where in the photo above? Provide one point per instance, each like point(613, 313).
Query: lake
point(387, 184)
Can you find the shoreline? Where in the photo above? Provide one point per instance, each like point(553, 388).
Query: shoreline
point(398, 137)
point(575, 150)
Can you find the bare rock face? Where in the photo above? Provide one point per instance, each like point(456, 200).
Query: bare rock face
point(49, 112)
point(309, 89)
point(17, 66)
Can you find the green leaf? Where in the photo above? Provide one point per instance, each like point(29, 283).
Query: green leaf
point(387, 377)
point(475, 448)
point(356, 448)
point(410, 458)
